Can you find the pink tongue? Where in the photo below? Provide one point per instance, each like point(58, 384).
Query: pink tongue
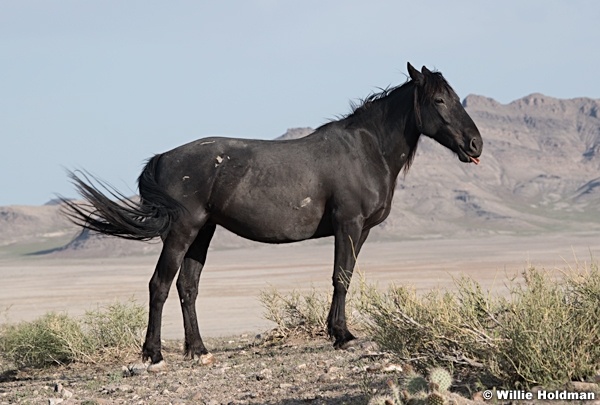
point(474, 160)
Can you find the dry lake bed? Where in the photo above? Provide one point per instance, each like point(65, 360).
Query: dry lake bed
point(233, 278)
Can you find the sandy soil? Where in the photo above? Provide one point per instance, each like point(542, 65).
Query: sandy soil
point(232, 280)
point(248, 370)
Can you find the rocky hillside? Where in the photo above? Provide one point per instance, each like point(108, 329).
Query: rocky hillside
point(540, 171)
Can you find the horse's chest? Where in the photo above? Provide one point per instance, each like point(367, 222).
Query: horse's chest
point(379, 208)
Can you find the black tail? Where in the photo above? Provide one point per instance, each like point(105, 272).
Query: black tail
point(148, 219)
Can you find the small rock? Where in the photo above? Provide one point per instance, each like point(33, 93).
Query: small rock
point(213, 402)
point(301, 366)
point(62, 391)
point(125, 371)
point(370, 346)
point(391, 368)
point(371, 355)
point(197, 396)
point(66, 394)
point(165, 392)
point(264, 374)
point(478, 396)
point(580, 386)
point(326, 377)
point(285, 386)
point(333, 369)
point(373, 368)
point(136, 369)
point(55, 401)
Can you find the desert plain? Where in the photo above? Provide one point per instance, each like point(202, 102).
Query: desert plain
point(233, 278)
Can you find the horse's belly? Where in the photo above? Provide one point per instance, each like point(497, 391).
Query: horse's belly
point(273, 222)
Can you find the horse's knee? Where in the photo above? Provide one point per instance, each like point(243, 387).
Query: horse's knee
point(158, 290)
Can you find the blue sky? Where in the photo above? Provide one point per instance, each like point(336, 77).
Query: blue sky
point(103, 85)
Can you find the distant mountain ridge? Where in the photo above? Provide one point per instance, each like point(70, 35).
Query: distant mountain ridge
point(539, 172)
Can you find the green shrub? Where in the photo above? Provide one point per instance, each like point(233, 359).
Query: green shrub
point(58, 338)
point(306, 313)
point(546, 333)
point(295, 312)
point(118, 326)
point(551, 330)
point(438, 329)
point(53, 338)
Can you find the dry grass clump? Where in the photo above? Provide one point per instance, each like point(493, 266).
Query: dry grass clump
point(58, 338)
point(305, 313)
point(118, 328)
point(296, 312)
point(52, 338)
point(547, 332)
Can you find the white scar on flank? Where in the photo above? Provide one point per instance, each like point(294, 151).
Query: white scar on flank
point(184, 178)
point(305, 202)
point(207, 142)
point(220, 160)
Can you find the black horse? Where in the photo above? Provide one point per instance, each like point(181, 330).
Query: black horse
point(338, 181)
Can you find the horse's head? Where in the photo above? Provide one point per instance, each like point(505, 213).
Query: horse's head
point(440, 115)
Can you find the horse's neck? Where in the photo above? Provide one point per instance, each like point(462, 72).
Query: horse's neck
point(397, 132)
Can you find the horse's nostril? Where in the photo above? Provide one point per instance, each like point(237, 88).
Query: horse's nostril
point(474, 145)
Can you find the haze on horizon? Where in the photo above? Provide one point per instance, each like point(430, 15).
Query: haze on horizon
point(105, 85)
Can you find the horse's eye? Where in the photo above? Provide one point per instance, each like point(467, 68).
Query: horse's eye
point(439, 101)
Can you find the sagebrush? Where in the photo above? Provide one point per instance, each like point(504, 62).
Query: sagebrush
point(547, 332)
point(58, 338)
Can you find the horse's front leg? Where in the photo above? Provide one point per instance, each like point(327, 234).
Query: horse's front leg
point(349, 238)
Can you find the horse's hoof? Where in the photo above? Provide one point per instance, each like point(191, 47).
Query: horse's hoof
point(157, 367)
point(207, 359)
point(350, 345)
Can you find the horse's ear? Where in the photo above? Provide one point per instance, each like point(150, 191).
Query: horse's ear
point(415, 74)
point(425, 71)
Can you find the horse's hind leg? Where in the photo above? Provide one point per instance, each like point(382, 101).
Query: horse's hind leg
point(175, 246)
point(187, 287)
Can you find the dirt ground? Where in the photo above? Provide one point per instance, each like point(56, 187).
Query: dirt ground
point(247, 371)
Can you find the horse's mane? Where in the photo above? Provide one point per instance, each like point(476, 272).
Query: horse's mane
point(364, 103)
point(435, 83)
